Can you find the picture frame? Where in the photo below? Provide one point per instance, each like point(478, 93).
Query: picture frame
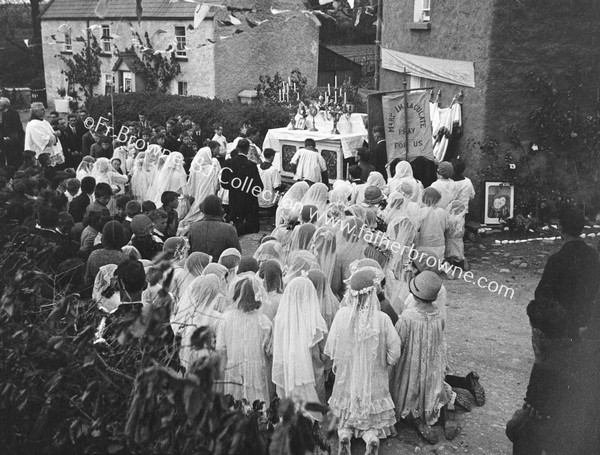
point(301, 124)
point(499, 202)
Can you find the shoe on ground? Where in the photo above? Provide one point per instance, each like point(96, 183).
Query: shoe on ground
point(449, 423)
point(427, 433)
point(462, 401)
point(475, 388)
point(372, 444)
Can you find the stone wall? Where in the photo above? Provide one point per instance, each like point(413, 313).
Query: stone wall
point(278, 45)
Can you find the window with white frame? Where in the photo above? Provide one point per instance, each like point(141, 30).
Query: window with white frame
point(422, 11)
point(106, 39)
point(68, 45)
point(416, 82)
point(182, 88)
point(180, 50)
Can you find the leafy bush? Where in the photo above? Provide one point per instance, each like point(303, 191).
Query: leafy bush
point(61, 393)
point(159, 107)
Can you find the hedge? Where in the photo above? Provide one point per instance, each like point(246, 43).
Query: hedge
point(158, 107)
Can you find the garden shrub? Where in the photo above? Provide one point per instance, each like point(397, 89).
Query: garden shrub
point(158, 107)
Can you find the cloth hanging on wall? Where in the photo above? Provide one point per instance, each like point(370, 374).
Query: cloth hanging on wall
point(446, 123)
point(435, 69)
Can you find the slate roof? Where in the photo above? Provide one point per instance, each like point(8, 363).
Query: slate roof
point(354, 52)
point(119, 9)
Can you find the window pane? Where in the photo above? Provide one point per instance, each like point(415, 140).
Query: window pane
point(180, 37)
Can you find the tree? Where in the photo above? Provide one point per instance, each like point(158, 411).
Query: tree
point(84, 68)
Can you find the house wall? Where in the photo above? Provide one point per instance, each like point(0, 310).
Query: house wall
point(459, 31)
point(197, 71)
point(274, 46)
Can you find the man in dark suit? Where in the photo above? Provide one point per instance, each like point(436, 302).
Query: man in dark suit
point(240, 176)
point(71, 142)
point(79, 204)
point(11, 135)
point(379, 151)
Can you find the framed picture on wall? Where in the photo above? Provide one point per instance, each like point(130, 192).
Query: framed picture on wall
point(499, 202)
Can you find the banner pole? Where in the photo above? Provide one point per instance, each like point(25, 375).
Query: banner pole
point(405, 113)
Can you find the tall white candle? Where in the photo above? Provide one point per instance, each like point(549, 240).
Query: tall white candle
point(335, 92)
point(344, 97)
point(329, 89)
point(336, 81)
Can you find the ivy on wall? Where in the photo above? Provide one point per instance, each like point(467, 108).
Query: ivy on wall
point(157, 70)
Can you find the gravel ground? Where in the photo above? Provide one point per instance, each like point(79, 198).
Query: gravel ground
point(488, 333)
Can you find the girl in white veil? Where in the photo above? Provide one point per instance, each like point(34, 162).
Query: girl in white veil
point(203, 181)
point(323, 246)
point(290, 203)
point(244, 341)
point(363, 344)
point(85, 168)
point(398, 271)
point(138, 177)
point(317, 196)
point(376, 179)
point(197, 309)
point(299, 330)
point(404, 173)
point(171, 177)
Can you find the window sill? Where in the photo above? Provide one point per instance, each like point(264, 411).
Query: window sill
point(420, 26)
point(105, 54)
point(181, 58)
point(66, 52)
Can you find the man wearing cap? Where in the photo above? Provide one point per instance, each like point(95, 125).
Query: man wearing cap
point(372, 199)
point(445, 185)
point(212, 235)
point(142, 227)
point(40, 136)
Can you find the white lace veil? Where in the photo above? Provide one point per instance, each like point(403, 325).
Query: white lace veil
point(323, 246)
point(298, 326)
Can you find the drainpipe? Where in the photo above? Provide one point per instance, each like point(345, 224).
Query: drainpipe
point(378, 43)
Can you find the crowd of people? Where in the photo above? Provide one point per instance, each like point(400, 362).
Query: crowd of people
point(318, 313)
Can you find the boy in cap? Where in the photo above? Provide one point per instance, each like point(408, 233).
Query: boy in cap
point(143, 240)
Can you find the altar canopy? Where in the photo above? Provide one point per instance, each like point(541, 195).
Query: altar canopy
point(435, 69)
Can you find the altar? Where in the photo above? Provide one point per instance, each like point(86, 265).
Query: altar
point(334, 148)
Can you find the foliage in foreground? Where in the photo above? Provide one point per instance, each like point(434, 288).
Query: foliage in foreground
point(61, 394)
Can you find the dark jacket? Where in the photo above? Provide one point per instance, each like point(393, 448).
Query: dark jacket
point(86, 143)
point(572, 278)
point(565, 390)
point(78, 207)
point(380, 158)
point(243, 193)
point(213, 236)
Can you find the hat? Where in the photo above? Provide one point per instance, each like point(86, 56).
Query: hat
point(141, 225)
point(211, 206)
point(445, 169)
point(373, 195)
point(426, 285)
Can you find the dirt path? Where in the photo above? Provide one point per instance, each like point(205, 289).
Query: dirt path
point(488, 333)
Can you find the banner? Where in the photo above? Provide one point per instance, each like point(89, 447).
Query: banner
point(419, 125)
point(435, 69)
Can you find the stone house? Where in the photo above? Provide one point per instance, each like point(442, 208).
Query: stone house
point(220, 55)
point(504, 43)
